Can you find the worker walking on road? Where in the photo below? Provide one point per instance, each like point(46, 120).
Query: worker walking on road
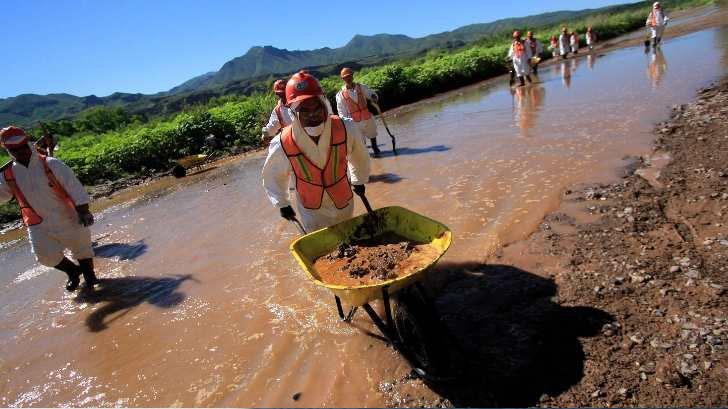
point(325, 154)
point(536, 50)
point(281, 116)
point(591, 38)
point(574, 42)
point(54, 207)
point(564, 43)
point(656, 21)
point(351, 103)
point(521, 56)
point(554, 46)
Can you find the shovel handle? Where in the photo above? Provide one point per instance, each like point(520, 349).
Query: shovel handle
point(364, 200)
point(300, 226)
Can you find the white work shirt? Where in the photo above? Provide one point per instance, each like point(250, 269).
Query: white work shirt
point(539, 47)
point(274, 125)
point(341, 106)
point(277, 171)
point(521, 64)
point(564, 43)
point(33, 182)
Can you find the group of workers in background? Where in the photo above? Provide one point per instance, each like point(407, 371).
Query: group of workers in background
point(320, 156)
point(525, 53)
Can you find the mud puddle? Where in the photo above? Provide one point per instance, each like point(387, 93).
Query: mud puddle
point(204, 305)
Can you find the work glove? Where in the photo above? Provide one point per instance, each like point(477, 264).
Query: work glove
point(288, 213)
point(359, 189)
point(86, 219)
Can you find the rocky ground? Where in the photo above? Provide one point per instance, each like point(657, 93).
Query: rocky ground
point(619, 299)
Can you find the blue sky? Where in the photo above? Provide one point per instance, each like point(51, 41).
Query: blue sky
point(85, 47)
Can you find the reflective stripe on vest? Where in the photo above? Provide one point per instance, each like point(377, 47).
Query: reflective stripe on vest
point(359, 111)
point(30, 217)
point(311, 181)
point(653, 17)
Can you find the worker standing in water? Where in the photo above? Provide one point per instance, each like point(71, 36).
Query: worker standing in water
point(351, 103)
point(574, 42)
point(520, 54)
point(656, 21)
point(564, 43)
point(536, 50)
point(53, 204)
point(281, 116)
point(554, 46)
point(591, 38)
point(325, 154)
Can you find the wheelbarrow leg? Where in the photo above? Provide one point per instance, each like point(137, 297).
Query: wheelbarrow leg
point(338, 307)
point(350, 315)
point(378, 322)
point(387, 308)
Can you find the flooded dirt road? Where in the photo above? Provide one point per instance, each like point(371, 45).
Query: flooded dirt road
point(202, 304)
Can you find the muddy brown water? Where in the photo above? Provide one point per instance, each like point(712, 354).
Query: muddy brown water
point(202, 304)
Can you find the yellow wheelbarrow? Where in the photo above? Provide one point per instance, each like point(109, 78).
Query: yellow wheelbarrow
point(404, 331)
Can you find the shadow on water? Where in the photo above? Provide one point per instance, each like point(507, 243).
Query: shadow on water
point(512, 342)
point(124, 251)
point(388, 178)
point(123, 294)
point(415, 151)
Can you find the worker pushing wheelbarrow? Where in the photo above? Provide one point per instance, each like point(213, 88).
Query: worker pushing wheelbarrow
point(328, 162)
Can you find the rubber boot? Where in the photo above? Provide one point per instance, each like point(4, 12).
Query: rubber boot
point(528, 77)
point(74, 279)
point(654, 42)
point(521, 82)
point(89, 276)
point(375, 147)
point(535, 70)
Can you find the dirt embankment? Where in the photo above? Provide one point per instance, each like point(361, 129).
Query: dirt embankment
point(619, 299)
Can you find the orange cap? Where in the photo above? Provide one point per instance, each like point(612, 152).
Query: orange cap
point(301, 86)
point(346, 71)
point(12, 137)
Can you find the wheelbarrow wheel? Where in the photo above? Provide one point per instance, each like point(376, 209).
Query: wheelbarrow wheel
point(418, 330)
point(179, 171)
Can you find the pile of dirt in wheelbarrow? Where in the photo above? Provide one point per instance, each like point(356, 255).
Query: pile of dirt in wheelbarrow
point(374, 260)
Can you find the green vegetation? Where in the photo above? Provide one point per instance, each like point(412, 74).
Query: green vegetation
point(106, 143)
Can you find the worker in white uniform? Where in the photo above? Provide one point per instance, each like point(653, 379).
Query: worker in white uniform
point(564, 43)
point(536, 50)
point(54, 207)
point(351, 103)
point(574, 42)
point(554, 46)
point(591, 38)
point(281, 116)
point(521, 56)
point(324, 153)
point(656, 21)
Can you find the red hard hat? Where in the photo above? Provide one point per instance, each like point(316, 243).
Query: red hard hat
point(516, 34)
point(279, 86)
point(346, 71)
point(302, 85)
point(12, 136)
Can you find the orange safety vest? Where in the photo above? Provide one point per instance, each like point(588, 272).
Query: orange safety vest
point(653, 19)
point(311, 181)
point(30, 217)
point(359, 111)
point(518, 48)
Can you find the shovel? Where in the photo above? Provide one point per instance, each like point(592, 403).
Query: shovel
point(373, 221)
point(394, 142)
point(300, 226)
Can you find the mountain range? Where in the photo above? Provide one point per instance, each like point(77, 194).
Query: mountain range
point(248, 72)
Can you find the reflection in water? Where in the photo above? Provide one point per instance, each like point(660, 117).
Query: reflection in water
point(527, 102)
point(657, 67)
point(591, 60)
point(566, 74)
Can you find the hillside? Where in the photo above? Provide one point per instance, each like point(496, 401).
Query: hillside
point(241, 74)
